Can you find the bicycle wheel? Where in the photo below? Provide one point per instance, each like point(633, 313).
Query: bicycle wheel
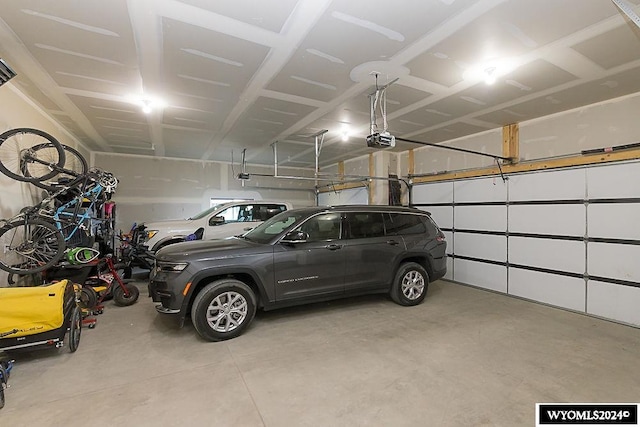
point(122, 299)
point(74, 165)
point(75, 329)
point(19, 160)
point(30, 247)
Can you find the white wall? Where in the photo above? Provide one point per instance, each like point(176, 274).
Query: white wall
point(152, 189)
point(606, 124)
point(352, 196)
point(432, 159)
point(19, 111)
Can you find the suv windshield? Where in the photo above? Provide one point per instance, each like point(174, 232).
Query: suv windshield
point(266, 231)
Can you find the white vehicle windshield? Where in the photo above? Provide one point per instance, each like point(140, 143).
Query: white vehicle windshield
point(205, 212)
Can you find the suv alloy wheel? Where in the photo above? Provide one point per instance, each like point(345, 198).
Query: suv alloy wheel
point(410, 284)
point(223, 309)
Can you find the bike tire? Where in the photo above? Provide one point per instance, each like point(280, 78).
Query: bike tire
point(75, 329)
point(123, 300)
point(16, 143)
point(30, 246)
point(74, 162)
point(88, 297)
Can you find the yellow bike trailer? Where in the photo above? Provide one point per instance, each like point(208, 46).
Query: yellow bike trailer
point(40, 316)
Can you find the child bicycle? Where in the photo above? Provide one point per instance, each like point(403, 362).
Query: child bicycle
point(99, 280)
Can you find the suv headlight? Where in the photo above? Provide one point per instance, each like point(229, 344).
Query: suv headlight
point(171, 267)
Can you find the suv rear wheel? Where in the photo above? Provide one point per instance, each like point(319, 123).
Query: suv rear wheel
point(410, 284)
point(223, 309)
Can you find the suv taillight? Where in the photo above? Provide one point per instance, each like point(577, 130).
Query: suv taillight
point(440, 237)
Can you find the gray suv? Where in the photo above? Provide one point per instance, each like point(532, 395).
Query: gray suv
point(297, 257)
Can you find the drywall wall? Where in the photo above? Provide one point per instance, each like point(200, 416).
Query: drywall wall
point(351, 196)
point(24, 113)
point(439, 160)
point(19, 111)
point(606, 124)
point(363, 172)
point(152, 189)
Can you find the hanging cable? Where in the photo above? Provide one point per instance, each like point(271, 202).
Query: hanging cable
point(500, 168)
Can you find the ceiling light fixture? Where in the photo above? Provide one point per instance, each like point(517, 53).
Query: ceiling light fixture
point(146, 103)
point(490, 75)
point(146, 107)
point(490, 71)
point(345, 136)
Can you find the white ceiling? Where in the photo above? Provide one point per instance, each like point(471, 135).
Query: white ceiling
point(241, 74)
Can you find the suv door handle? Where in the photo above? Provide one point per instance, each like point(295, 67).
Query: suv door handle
point(333, 247)
point(393, 242)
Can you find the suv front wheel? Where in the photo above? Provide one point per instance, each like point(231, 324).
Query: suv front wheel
point(223, 309)
point(410, 284)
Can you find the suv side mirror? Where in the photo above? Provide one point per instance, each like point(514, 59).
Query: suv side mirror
point(296, 236)
point(216, 220)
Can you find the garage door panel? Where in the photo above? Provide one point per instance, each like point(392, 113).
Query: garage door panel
point(442, 215)
point(614, 261)
point(480, 190)
point(441, 192)
point(550, 185)
point(615, 181)
point(544, 253)
point(561, 291)
point(614, 221)
point(481, 246)
point(562, 220)
point(488, 276)
point(449, 274)
point(614, 301)
point(485, 218)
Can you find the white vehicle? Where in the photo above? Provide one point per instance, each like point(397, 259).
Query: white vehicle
point(217, 222)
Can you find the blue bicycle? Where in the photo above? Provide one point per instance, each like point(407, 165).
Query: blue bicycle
point(38, 236)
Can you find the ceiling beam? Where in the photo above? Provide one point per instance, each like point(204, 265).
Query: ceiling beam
point(305, 14)
point(147, 32)
point(23, 60)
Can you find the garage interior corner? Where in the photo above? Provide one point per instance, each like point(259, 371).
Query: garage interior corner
point(465, 357)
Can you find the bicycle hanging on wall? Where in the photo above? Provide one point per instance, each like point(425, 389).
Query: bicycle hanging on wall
point(38, 236)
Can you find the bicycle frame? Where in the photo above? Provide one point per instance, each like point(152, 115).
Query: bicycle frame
point(28, 157)
point(67, 223)
point(65, 220)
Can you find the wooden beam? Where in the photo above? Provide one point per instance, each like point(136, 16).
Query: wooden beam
point(534, 166)
point(511, 142)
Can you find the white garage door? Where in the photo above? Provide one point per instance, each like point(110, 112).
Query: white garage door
point(569, 238)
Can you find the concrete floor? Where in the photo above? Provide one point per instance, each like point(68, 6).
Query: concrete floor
point(465, 357)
